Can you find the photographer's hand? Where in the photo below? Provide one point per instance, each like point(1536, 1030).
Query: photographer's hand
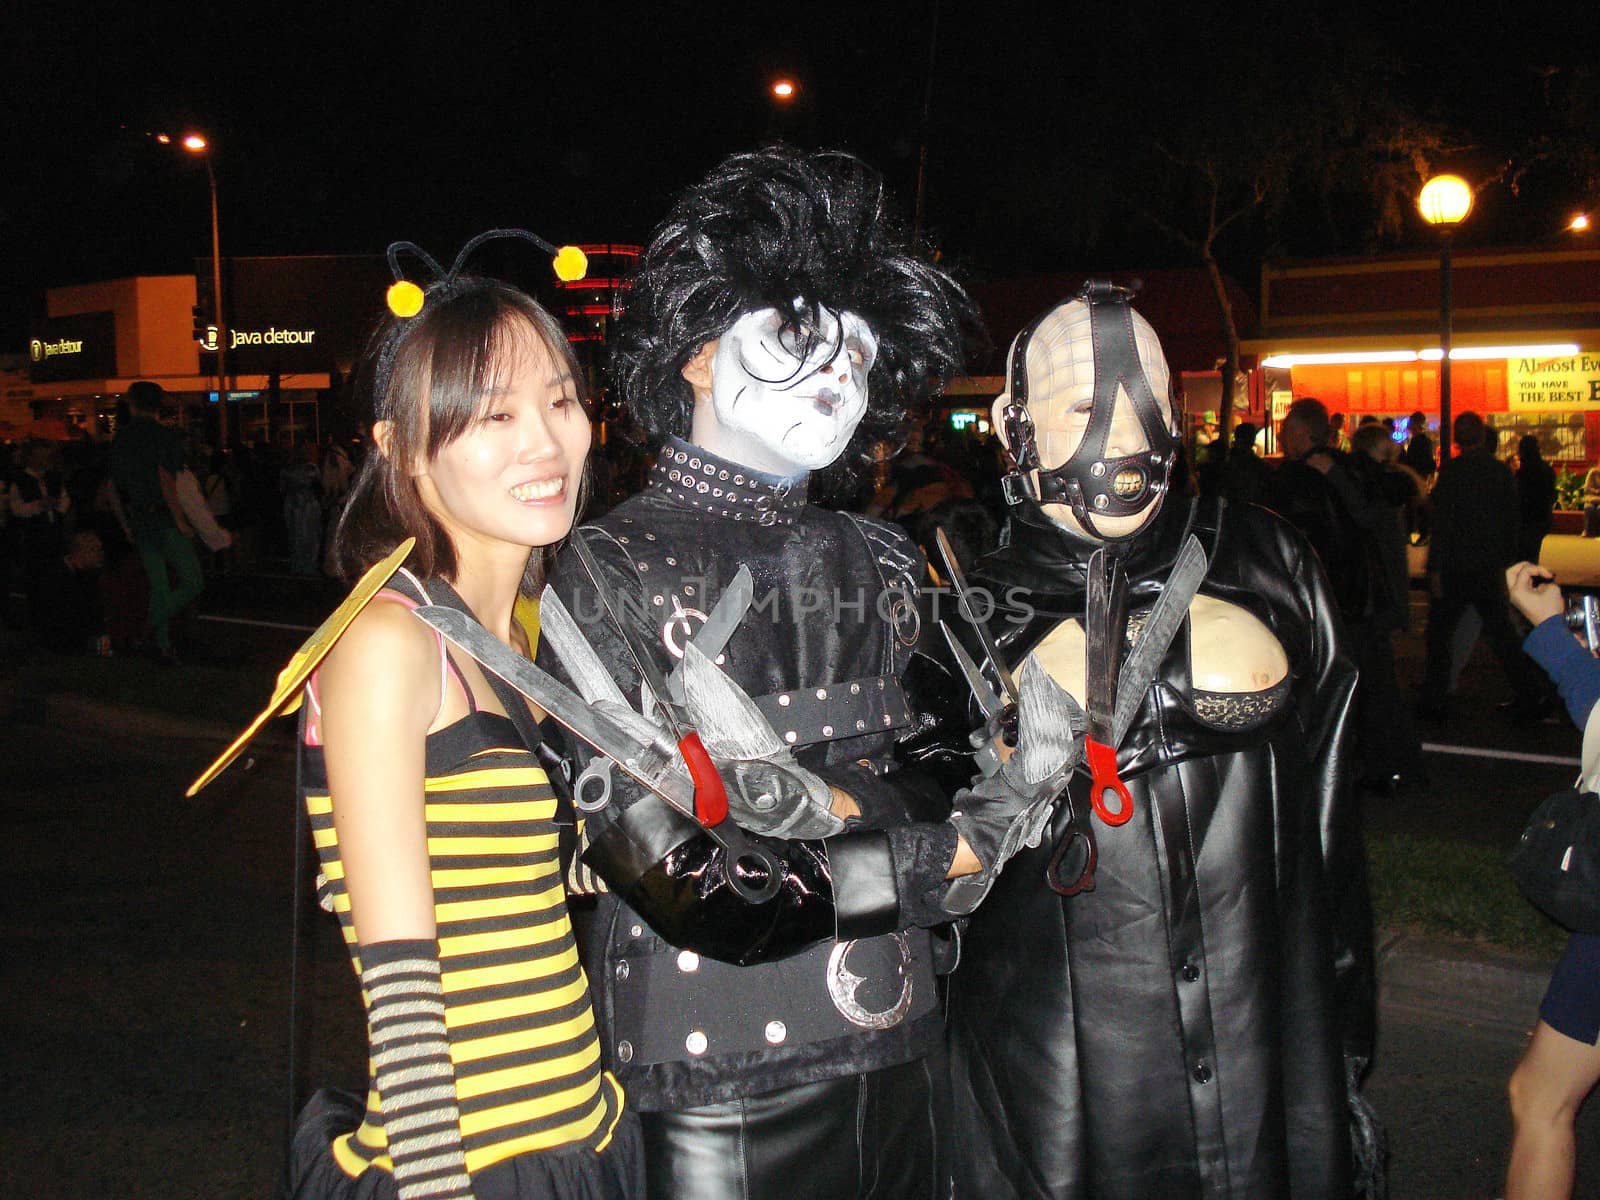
point(1524, 581)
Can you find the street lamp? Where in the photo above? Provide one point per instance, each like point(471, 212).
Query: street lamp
point(1444, 202)
point(1579, 223)
point(783, 89)
point(195, 144)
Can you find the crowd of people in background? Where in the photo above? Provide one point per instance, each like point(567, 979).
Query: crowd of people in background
point(104, 563)
point(105, 545)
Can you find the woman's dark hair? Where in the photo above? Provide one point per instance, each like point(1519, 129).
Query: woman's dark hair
point(469, 329)
point(790, 230)
point(1528, 449)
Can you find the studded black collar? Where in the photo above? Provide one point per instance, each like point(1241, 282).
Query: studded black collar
point(686, 473)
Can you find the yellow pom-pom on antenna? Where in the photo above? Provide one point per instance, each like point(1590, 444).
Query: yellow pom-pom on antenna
point(405, 298)
point(571, 264)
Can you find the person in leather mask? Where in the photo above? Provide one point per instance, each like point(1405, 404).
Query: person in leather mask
point(786, 1048)
point(1194, 1019)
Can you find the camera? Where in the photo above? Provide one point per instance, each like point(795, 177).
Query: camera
point(1583, 617)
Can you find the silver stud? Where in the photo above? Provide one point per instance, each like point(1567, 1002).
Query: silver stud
point(688, 961)
point(720, 659)
point(671, 562)
point(717, 492)
point(703, 488)
point(1098, 469)
point(827, 731)
point(623, 540)
point(722, 474)
point(887, 720)
point(688, 589)
point(708, 469)
point(783, 700)
point(822, 693)
point(791, 737)
point(695, 1043)
point(860, 725)
point(738, 478)
point(1099, 501)
point(649, 537)
point(643, 567)
point(881, 683)
point(622, 969)
point(776, 1031)
point(655, 600)
point(855, 689)
point(625, 1051)
point(636, 931)
point(695, 463)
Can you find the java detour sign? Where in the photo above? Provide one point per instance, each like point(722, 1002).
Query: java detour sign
point(1554, 383)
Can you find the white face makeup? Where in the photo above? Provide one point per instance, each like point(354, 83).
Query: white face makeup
point(777, 412)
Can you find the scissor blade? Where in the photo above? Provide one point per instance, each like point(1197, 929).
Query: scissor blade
point(644, 662)
point(560, 701)
point(991, 652)
point(711, 639)
point(561, 633)
point(1160, 627)
point(1104, 628)
point(991, 704)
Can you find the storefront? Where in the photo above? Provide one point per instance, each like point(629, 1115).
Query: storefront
point(296, 326)
point(1362, 336)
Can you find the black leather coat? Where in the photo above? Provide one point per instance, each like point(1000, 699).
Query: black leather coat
point(1183, 1029)
point(826, 980)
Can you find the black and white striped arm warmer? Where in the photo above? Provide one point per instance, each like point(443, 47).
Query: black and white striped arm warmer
point(411, 1058)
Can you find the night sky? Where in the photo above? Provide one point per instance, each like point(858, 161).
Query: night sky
point(342, 126)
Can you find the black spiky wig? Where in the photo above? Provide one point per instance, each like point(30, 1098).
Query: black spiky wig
point(791, 230)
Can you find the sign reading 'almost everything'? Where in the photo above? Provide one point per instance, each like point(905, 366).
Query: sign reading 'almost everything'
point(1567, 383)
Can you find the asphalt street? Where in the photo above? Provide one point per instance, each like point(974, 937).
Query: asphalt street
point(145, 954)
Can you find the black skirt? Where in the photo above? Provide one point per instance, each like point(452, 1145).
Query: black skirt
point(570, 1173)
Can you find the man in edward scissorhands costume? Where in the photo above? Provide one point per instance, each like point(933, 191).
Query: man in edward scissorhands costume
point(784, 1046)
point(1172, 995)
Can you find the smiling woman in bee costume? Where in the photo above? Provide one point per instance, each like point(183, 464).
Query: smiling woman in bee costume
point(1187, 1012)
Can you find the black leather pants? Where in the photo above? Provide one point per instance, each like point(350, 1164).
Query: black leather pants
point(867, 1136)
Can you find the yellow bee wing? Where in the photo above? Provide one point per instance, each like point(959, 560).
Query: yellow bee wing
point(286, 695)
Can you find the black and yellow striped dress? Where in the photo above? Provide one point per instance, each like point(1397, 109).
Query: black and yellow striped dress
point(517, 1005)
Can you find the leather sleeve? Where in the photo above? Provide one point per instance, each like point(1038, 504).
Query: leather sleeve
point(1326, 713)
point(675, 875)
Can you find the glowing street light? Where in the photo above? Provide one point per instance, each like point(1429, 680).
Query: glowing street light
point(784, 89)
point(1579, 223)
point(194, 143)
point(1444, 202)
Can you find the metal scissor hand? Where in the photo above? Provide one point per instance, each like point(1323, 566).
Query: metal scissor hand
point(991, 652)
point(592, 788)
point(753, 871)
point(1116, 695)
point(997, 714)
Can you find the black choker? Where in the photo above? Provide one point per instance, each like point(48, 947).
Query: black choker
point(686, 473)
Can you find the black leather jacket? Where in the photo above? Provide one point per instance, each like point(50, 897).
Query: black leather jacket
point(1184, 1029)
point(703, 997)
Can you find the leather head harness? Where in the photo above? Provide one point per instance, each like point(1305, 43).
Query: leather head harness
point(1094, 484)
